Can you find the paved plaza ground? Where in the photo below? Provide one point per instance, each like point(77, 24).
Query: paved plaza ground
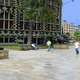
point(58, 64)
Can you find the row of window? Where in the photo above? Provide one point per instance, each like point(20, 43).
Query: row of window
point(7, 2)
point(6, 16)
point(21, 32)
point(6, 12)
point(6, 40)
point(7, 24)
point(35, 26)
point(12, 40)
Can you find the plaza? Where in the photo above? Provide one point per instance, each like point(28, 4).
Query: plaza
point(58, 64)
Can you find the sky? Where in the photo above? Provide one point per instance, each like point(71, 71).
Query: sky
point(71, 11)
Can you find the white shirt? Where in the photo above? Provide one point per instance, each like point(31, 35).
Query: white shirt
point(48, 43)
point(33, 45)
point(76, 44)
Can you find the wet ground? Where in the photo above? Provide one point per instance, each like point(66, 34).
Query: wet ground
point(57, 64)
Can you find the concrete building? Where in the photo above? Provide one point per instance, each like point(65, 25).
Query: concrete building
point(13, 25)
point(7, 21)
point(69, 28)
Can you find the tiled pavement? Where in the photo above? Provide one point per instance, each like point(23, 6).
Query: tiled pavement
point(58, 64)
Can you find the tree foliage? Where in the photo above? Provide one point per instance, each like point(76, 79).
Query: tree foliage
point(77, 35)
point(38, 8)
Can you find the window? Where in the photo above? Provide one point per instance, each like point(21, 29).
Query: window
point(6, 0)
point(12, 40)
point(27, 25)
point(6, 24)
point(1, 2)
point(6, 15)
point(21, 25)
point(6, 40)
point(1, 40)
point(34, 26)
point(50, 3)
point(1, 24)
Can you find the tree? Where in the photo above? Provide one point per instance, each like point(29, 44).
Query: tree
point(64, 38)
point(39, 8)
point(77, 35)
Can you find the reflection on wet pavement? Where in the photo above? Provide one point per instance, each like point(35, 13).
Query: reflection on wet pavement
point(41, 65)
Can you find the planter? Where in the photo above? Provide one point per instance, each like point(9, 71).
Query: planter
point(3, 54)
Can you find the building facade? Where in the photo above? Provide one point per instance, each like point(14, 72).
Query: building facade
point(69, 28)
point(13, 24)
point(7, 21)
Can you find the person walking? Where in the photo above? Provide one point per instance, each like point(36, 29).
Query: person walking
point(77, 44)
point(49, 45)
point(33, 46)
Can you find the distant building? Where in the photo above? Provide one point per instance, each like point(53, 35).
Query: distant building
point(69, 28)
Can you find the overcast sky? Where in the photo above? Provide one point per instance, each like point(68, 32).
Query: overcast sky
point(71, 11)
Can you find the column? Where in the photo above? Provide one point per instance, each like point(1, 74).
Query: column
point(4, 16)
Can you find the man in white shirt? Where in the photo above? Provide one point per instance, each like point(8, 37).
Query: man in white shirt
point(33, 46)
point(49, 45)
point(77, 47)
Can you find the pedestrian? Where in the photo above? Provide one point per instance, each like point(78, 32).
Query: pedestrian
point(49, 45)
point(34, 46)
point(77, 44)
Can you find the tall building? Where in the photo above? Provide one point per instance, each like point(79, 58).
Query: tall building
point(7, 21)
point(13, 23)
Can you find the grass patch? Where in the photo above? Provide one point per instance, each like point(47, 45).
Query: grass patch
point(16, 47)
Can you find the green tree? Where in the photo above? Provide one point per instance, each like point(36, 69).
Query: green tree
point(38, 8)
point(77, 35)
